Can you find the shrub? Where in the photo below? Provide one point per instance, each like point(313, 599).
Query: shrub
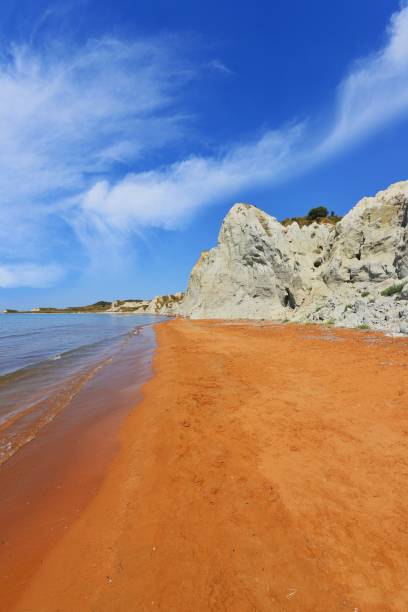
point(365, 293)
point(330, 322)
point(363, 326)
point(397, 288)
point(318, 212)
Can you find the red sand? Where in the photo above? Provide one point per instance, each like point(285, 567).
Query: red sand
point(265, 470)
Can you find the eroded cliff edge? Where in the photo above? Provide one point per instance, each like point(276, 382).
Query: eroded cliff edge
point(353, 273)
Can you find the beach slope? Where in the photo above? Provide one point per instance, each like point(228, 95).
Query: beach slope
point(265, 469)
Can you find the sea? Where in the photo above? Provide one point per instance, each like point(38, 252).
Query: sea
point(47, 359)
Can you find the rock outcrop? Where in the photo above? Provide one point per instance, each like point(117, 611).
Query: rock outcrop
point(250, 274)
point(353, 273)
point(369, 243)
point(161, 305)
point(165, 304)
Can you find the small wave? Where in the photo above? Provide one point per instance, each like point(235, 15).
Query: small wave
point(22, 427)
point(25, 334)
point(82, 350)
point(33, 395)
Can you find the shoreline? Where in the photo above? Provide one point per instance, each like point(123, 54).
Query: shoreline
point(261, 321)
point(50, 480)
point(263, 469)
point(25, 312)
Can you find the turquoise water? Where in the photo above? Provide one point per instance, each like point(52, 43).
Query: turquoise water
point(46, 359)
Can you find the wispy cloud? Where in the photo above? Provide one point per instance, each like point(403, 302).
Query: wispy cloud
point(219, 66)
point(69, 115)
point(29, 275)
point(376, 90)
point(167, 197)
point(66, 113)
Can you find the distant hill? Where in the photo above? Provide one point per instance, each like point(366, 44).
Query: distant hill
point(100, 306)
point(161, 304)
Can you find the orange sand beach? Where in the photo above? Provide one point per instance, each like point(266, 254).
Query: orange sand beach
point(265, 469)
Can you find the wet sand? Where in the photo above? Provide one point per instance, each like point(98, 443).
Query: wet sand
point(47, 484)
point(265, 469)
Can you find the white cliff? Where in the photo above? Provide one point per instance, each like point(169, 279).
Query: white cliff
point(250, 274)
point(165, 304)
point(161, 305)
point(320, 272)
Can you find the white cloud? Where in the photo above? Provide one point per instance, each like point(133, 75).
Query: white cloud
point(65, 112)
point(374, 93)
point(376, 90)
point(29, 275)
point(69, 113)
point(167, 197)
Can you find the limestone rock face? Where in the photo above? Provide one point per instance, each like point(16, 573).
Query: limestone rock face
point(319, 272)
point(161, 305)
point(404, 292)
point(165, 304)
point(250, 274)
point(370, 242)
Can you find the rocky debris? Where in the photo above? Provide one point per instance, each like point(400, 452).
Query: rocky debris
point(353, 273)
point(382, 313)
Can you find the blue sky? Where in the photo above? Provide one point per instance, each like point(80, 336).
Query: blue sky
point(128, 129)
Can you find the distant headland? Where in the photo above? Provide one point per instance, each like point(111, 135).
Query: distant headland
point(161, 304)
